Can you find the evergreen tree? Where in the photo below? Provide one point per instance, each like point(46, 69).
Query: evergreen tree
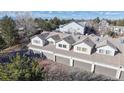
point(2, 43)
point(9, 34)
point(97, 20)
point(21, 68)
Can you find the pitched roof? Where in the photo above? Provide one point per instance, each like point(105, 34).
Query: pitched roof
point(41, 36)
point(55, 37)
point(105, 43)
point(82, 24)
point(69, 39)
point(87, 41)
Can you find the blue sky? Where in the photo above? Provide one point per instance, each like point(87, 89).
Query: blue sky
point(71, 14)
point(81, 14)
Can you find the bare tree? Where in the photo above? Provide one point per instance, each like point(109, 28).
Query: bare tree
point(26, 21)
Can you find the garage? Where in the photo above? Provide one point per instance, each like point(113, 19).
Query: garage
point(105, 71)
point(48, 56)
point(82, 65)
point(122, 75)
point(62, 60)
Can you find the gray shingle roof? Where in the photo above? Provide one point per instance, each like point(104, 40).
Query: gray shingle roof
point(41, 36)
point(55, 37)
point(69, 39)
point(82, 24)
point(105, 43)
point(87, 41)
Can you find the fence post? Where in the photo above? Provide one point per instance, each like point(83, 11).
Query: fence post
point(93, 68)
point(118, 73)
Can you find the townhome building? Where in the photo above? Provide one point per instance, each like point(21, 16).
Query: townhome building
point(101, 55)
point(53, 39)
point(85, 46)
point(66, 43)
point(73, 27)
point(39, 40)
point(107, 48)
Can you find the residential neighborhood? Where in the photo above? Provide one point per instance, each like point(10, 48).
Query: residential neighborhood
point(94, 46)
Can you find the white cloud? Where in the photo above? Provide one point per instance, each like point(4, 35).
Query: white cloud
point(50, 12)
point(101, 13)
point(112, 13)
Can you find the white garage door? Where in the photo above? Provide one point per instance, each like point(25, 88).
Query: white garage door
point(62, 60)
point(82, 65)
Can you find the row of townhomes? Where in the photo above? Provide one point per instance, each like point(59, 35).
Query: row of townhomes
point(100, 55)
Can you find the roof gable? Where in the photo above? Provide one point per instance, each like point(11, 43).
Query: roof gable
point(74, 23)
point(106, 43)
point(63, 42)
point(69, 39)
point(36, 38)
point(55, 37)
point(42, 36)
point(87, 41)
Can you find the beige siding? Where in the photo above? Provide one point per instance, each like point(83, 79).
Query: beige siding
point(83, 45)
point(82, 65)
point(68, 46)
point(105, 48)
point(51, 41)
point(105, 71)
point(48, 56)
point(62, 60)
point(40, 41)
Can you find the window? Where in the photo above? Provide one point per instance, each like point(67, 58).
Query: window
point(64, 46)
point(79, 48)
point(101, 51)
point(122, 41)
point(84, 49)
point(36, 41)
point(60, 45)
point(108, 52)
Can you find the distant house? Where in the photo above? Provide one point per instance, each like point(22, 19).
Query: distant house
point(73, 27)
point(53, 39)
point(21, 29)
point(117, 29)
point(85, 46)
point(66, 43)
point(39, 40)
point(103, 26)
point(106, 48)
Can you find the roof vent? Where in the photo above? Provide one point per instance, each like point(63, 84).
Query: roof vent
point(97, 39)
point(79, 37)
point(101, 35)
